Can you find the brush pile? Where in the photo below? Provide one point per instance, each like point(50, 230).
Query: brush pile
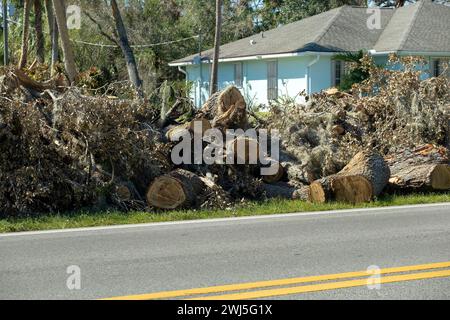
point(393, 114)
point(65, 148)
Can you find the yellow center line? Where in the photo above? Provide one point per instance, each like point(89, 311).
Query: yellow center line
point(325, 286)
point(279, 282)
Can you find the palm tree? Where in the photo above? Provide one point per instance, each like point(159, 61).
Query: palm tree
point(357, 74)
point(25, 31)
point(69, 58)
point(215, 66)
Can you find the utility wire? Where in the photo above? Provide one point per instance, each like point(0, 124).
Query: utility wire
point(140, 46)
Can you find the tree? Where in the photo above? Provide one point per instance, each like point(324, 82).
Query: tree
point(5, 32)
point(272, 13)
point(126, 49)
point(25, 31)
point(54, 35)
point(40, 51)
point(215, 66)
point(357, 72)
point(392, 3)
point(69, 58)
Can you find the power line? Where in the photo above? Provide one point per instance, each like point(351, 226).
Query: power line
point(140, 46)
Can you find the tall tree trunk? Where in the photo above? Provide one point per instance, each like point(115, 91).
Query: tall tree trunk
point(40, 53)
point(5, 33)
point(53, 29)
point(215, 66)
point(124, 44)
point(55, 46)
point(25, 31)
point(401, 3)
point(69, 58)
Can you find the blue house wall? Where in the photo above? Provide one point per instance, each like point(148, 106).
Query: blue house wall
point(308, 73)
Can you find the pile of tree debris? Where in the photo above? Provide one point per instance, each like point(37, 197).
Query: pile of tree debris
point(62, 149)
point(393, 115)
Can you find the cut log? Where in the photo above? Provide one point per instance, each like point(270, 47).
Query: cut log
point(425, 177)
point(280, 190)
point(122, 193)
point(235, 118)
point(352, 189)
point(226, 109)
point(175, 132)
point(302, 194)
point(423, 169)
point(200, 124)
point(295, 170)
point(178, 189)
point(364, 178)
point(278, 169)
point(372, 166)
point(243, 150)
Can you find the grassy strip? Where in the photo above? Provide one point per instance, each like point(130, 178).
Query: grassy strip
point(90, 219)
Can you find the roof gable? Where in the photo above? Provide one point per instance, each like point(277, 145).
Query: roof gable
point(420, 27)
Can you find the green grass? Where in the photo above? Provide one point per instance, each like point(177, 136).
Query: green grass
point(90, 219)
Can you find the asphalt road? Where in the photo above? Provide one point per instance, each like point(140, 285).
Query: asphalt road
point(121, 261)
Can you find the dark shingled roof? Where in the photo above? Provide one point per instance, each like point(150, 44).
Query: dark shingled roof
point(423, 27)
point(420, 27)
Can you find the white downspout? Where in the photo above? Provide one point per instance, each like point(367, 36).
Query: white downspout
point(308, 76)
point(180, 68)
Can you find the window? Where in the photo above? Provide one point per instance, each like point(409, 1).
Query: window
point(338, 72)
point(440, 66)
point(272, 80)
point(238, 75)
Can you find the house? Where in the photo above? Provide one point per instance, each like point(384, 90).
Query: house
point(299, 56)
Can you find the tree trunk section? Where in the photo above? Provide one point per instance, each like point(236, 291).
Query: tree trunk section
point(178, 189)
point(196, 127)
point(25, 34)
point(424, 177)
point(423, 169)
point(126, 49)
point(372, 166)
point(351, 189)
point(243, 151)
point(5, 33)
point(40, 53)
point(280, 190)
point(226, 110)
point(53, 30)
point(278, 169)
point(364, 178)
point(69, 57)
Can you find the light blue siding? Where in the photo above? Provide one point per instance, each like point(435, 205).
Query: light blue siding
point(295, 74)
point(320, 75)
point(292, 78)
